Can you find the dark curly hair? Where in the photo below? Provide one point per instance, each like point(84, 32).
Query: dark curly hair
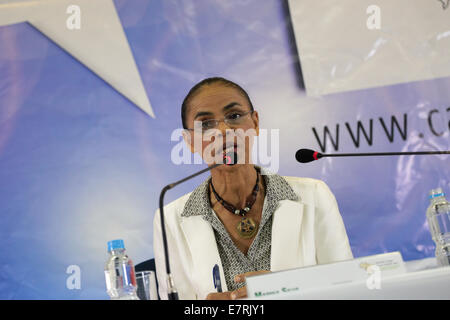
point(209, 81)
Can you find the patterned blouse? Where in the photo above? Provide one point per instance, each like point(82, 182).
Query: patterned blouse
point(235, 262)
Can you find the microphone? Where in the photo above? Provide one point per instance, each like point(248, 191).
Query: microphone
point(307, 155)
point(229, 159)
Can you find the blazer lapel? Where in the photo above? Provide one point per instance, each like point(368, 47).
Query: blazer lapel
point(203, 248)
point(286, 226)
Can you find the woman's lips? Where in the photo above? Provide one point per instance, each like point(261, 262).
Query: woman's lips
point(230, 148)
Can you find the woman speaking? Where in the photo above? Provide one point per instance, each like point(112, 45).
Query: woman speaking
point(242, 218)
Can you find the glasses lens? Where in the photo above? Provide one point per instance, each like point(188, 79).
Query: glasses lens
point(209, 124)
point(235, 118)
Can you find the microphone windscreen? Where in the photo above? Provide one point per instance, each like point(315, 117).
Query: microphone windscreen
point(230, 158)
point(306, 155)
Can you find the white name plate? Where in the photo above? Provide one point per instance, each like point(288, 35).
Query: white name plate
point(282, 284)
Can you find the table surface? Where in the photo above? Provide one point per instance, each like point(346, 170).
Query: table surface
point(423, 264)
point(423, 280)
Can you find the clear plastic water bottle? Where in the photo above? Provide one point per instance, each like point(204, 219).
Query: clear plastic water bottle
point(438, 216)
point(119, 273)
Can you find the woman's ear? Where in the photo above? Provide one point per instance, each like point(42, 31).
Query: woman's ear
point(187, 137)
point(255, 119)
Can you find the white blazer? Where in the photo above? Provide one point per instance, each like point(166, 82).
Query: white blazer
point(305, 232)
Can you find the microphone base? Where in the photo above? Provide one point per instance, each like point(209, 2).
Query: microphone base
point(173, 296)
point(172, 293)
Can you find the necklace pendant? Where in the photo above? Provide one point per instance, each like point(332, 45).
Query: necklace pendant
point(246, 228)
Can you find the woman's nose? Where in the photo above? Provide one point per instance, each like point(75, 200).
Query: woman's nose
point(223, 127)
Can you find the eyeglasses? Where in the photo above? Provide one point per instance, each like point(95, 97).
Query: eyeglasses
point(232, 119)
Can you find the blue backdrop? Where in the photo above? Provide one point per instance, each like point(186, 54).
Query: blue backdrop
point(81, 165)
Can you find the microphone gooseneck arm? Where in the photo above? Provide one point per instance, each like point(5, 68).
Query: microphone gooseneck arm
point(307, 155)
point(171, 290)
point(385, 153)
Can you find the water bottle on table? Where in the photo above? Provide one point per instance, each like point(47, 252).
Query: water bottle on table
point(119, 273)
point(438, 216)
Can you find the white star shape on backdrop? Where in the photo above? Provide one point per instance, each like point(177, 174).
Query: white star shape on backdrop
point(100, 43)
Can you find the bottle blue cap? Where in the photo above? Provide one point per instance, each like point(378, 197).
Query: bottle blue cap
point(115, 244)
point(436, 193)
